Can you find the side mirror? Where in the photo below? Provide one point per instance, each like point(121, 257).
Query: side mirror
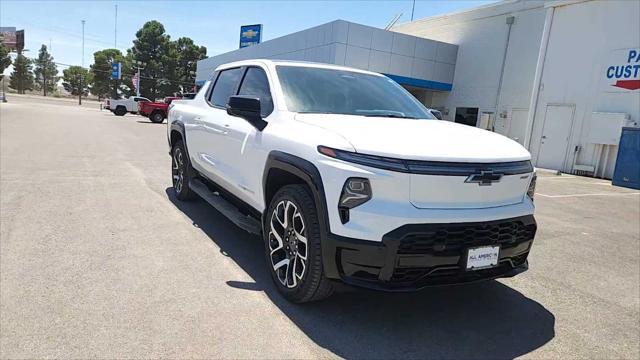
point(248, 108)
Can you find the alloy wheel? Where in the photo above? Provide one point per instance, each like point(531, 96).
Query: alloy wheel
point(177, 170)
point(288, 244)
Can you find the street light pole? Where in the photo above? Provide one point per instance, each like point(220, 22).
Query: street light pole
point(82, 42)
point(138, 65)
point(115, 30)
point(80, 75)
point(80, 89)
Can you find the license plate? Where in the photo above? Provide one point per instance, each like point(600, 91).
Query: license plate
point(482, 257)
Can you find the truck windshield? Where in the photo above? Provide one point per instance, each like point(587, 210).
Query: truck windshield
point(330, 91)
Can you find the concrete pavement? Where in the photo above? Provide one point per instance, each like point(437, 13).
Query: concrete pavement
point(98, 259)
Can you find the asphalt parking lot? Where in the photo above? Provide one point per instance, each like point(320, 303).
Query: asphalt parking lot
point(98, 259)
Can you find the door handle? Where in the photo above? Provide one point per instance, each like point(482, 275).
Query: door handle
point(544, 137)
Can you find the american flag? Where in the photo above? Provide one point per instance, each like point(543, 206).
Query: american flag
point(136, 81)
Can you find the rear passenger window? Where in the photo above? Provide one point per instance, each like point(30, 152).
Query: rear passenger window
point(225, 86)
point(255, 83)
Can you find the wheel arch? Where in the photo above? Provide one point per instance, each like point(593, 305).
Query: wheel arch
point(176, 133)
point(281, 167)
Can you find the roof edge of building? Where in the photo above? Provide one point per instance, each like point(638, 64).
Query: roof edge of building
point(483, 11)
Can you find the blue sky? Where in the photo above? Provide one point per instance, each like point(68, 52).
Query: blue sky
point(214, 24)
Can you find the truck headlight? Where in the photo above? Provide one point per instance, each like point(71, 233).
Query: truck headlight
point(532, 187)
point(355, 192)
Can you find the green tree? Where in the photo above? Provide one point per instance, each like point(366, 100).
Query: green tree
point(154, 48)
point(46, 71)
point(188, 55)
point(76, 79)
point(21, 77)
point(103, 85)
point(5, 59)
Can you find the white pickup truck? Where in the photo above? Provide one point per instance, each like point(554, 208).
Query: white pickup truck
point(122, 106)
point(347, 177)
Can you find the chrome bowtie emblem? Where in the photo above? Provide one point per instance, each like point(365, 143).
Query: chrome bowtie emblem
point(484, 178)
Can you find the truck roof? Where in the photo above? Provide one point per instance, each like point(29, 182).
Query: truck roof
point(272, 63)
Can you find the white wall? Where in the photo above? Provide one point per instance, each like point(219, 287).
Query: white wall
point(345, 43)
point(584, 40)
point(481, 36)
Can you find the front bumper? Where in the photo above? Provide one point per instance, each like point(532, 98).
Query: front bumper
point(415, 256)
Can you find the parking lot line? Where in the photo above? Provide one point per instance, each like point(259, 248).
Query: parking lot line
point(594, 194)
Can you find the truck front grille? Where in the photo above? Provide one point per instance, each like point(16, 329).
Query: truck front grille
point(450, 239)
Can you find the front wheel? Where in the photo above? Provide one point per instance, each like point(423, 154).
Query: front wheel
point(292, 246)
point(181, 172)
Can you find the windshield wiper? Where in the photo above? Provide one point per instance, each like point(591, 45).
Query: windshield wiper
point(391, 116)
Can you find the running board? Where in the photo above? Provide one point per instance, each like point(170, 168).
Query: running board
point(227, 209)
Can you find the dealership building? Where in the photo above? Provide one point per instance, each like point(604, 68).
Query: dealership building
point(560, 77)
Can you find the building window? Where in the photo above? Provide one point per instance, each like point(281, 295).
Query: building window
point(467, 116)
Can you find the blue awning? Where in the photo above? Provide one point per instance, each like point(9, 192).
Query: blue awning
point(425, 84)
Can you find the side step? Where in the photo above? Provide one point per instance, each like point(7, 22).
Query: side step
point(227, 209)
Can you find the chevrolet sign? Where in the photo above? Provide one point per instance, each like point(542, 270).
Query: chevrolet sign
point(250, 35)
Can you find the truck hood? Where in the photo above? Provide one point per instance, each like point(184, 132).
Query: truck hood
point(416, 139)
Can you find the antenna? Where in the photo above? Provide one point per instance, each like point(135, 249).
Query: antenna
point(393, 21)
point(413, 7)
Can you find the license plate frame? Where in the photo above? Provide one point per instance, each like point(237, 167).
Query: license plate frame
point(482, 257)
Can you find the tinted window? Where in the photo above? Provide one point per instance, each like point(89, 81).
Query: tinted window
point(225, 86)
point(321, 90)
point(255, 83)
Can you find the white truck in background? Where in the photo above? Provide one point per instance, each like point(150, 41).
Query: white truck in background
point(122, 106)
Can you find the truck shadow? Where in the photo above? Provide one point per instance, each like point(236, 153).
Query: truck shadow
point(485, 320)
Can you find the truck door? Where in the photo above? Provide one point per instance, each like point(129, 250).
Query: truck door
point(243, 142)
point(207, 142)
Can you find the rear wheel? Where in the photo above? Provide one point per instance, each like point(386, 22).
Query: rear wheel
point(120, 111)
point(181, 172)
point(292, 246)
point(156, 117)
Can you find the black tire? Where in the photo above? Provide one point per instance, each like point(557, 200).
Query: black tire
point(120, 111)
point(156, 117)
point(181, 172)
point(312, 285)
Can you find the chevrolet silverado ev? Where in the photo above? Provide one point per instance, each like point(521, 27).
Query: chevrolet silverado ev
point(347, 177)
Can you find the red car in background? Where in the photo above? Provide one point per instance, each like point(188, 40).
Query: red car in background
point(156, 111)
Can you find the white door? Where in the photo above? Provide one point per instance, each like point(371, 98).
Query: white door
point(518, 125)
point(207, 144)
point(556, 131)
point(243, 151)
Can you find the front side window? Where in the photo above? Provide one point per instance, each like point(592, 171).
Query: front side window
point(225, 86)
point(256, 84)
point(330, 91)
